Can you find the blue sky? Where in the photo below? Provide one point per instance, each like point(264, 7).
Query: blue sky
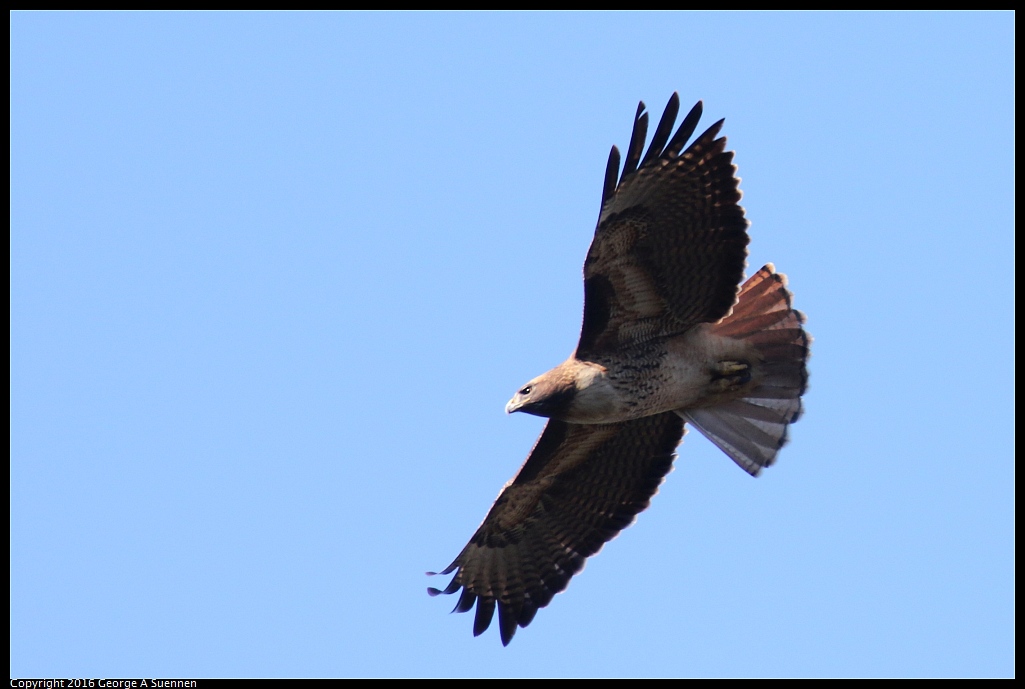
point(275, 276)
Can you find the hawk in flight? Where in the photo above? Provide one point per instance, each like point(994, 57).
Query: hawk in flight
point(669, 337)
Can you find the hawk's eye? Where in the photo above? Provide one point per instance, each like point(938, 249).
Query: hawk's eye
point(526, 390)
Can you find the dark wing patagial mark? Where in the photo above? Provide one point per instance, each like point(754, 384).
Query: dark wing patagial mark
point(598, 295)
point(671, 241)
point(580, 486)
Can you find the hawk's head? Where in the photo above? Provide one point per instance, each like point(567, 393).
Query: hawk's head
point(574, 391)
point(548, 395)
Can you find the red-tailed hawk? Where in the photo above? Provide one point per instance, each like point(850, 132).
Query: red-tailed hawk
point(667, 338)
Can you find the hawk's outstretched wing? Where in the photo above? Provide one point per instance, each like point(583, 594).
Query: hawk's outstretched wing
point(671, 241)
point(580, 486)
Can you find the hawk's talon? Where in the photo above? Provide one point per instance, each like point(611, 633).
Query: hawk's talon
point(731, 375)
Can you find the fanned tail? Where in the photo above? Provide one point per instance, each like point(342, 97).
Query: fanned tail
point(751, 430)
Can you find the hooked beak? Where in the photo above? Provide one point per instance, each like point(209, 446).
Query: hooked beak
point(514, 405)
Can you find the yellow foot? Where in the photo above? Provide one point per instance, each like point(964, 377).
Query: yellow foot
point(728, 376)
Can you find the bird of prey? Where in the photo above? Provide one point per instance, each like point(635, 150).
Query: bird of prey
point(669, 337)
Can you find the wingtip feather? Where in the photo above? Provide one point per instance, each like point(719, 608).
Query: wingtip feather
point(485, 611)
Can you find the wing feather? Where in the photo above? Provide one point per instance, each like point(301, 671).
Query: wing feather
point(671, 241)
point(664, 129)
point(640, 132)
point(686, 130)
point(580, 486)
point(611, 175)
